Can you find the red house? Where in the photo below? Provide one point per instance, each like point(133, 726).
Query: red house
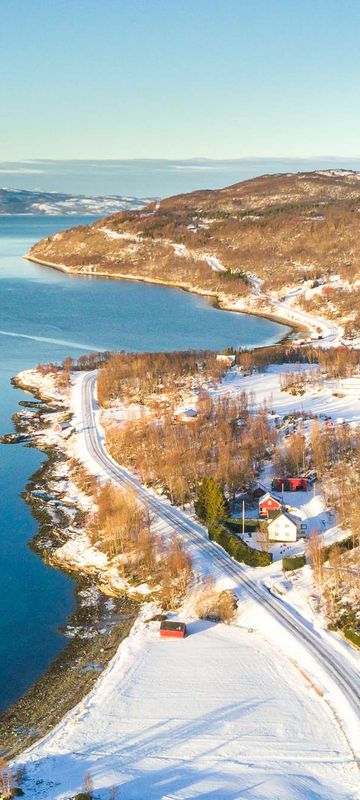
point(290, 484)
point(268, 503)
point(172, 629)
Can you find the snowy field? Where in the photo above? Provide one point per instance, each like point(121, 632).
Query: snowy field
point(318, 400)
point(221, 715)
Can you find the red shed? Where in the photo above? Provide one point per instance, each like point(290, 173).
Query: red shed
point(173, 629)
point(290, 484)
point(268, 503)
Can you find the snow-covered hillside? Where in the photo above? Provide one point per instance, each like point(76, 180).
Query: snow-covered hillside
point(339, 399)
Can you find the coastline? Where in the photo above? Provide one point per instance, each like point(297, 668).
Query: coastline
point(220, 301)
point(65, 682)
point(73, 737)
point(101, 619)
point(74, 672)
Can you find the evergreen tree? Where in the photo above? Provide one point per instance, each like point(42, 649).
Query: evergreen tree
point(211, 505)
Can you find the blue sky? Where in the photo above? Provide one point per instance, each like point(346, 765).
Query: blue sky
point(179, 78)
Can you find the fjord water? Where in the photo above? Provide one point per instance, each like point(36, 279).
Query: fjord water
point(46, 315)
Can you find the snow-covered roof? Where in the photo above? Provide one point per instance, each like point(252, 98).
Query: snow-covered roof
point(286, 516)
point(269, 496)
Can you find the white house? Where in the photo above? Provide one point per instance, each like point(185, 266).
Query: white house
point(228, 359)
point(283, 528)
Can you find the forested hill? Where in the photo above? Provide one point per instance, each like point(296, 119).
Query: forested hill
point(288, 229)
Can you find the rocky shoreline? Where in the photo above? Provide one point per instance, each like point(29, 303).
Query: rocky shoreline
point(100, 621)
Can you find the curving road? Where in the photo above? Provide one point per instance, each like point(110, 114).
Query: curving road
point(340, 670)
point(331, 333)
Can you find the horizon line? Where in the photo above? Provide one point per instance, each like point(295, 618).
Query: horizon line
point(182, 159)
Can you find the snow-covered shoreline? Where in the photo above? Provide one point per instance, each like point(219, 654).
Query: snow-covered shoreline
point(102, 615)
point(251, 719)
point(116, 698)
point(77, 554)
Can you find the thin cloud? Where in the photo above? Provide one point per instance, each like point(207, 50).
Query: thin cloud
point(21, 171)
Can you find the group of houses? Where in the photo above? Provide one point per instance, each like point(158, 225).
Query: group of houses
point(281, 525)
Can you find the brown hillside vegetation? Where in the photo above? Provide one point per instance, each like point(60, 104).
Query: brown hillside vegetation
point(140, 377)
point(121, 527)
point(223, 440)
point(284, 228)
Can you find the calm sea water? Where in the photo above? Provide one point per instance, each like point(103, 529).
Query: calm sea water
point(45, 316)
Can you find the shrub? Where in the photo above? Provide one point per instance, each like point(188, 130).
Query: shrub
point(82, 477)
point(239, 550)
point(176, 574)
point(6, 779)
point(293, 562)
point(120, 525)
point(352, 635)
point(235, 525)
point(87, 792)
point(10, 781)
point(344, 544)
point(216, 606)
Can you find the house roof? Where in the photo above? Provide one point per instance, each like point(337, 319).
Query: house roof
point(269, 496)
point(172, 625)
point(284, 514)
point(259, 488)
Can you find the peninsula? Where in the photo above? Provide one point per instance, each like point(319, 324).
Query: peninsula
point(285, 246)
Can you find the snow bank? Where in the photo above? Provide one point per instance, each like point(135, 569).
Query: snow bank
point(220, 714)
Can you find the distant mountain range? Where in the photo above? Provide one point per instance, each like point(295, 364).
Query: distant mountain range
point(21, 201)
